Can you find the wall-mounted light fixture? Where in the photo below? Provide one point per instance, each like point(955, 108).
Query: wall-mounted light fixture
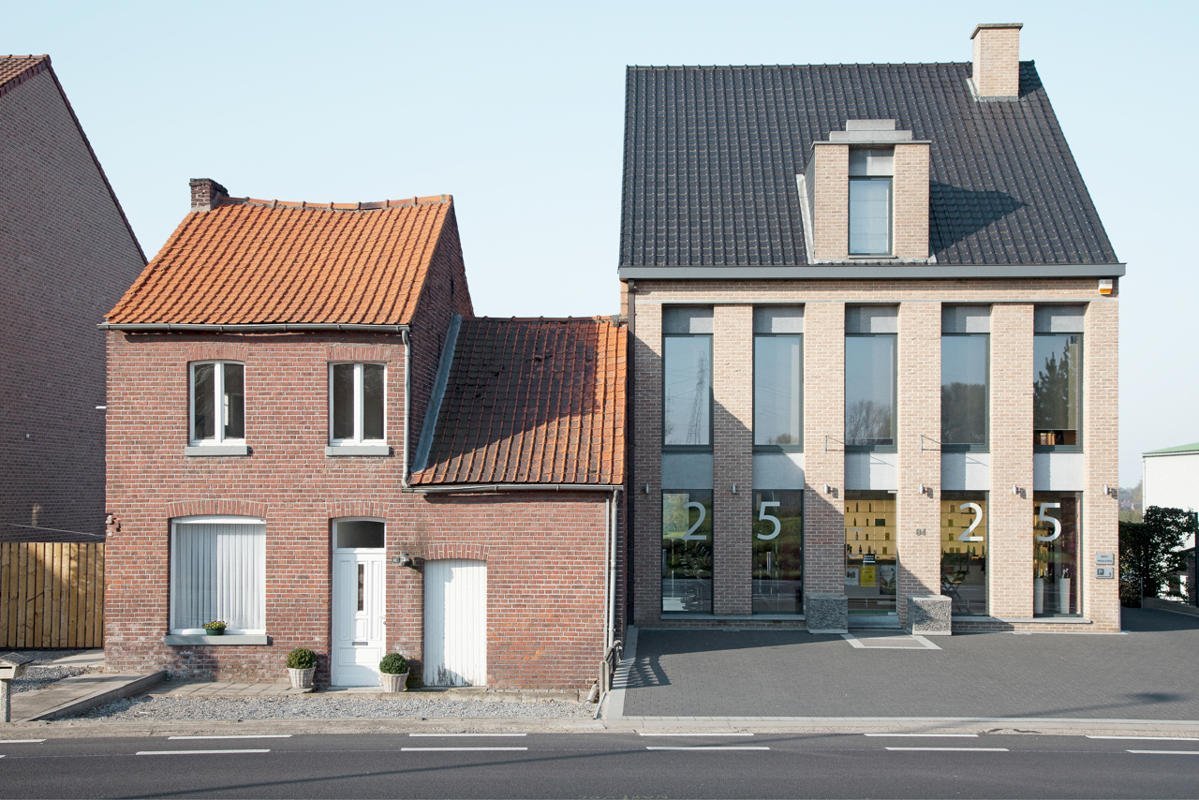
point(828, 489)
point(1111, 491)
point(1017, 490)
point(647, 488)
point(927, 491)
point(403, 559)
point(1106, 286)
point(733, 490)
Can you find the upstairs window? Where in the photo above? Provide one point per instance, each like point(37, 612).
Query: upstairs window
point(965, 340)
point(778, 377)
point(870, 380)
point(218, 403)
point(687, 377)
point(356, 402)
point(1057, 377)
point(871, 172)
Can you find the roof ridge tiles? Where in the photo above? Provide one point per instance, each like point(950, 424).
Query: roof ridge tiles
point(361, 205)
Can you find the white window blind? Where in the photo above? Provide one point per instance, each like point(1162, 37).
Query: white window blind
point(218, 571)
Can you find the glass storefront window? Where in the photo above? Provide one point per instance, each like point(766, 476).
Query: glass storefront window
point(1057, 551)
point(964, 551)
point(1057, 389)
point(778, 552)
point(687, 551)
point(964, 390)
point(870, 552)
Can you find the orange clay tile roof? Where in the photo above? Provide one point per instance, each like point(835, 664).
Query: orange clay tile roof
point(251, 261)
point(15, 69)
point(532, 401)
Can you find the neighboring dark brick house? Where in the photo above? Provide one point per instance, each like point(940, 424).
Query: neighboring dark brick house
point(270, 375)
point(66, 254)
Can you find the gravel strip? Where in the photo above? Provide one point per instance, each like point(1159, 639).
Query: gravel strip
point(39, 677)
point(334, 706)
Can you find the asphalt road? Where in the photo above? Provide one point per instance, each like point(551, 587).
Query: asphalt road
point(602, 765)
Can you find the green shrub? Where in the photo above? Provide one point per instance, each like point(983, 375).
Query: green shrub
point(301, 658)
point(393, 664)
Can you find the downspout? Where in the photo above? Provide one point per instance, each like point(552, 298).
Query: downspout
point(630, 451)
point(610, 509)
point(407, 406)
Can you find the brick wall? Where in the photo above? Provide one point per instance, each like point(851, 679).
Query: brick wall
point(732, 454)
point(824, 447)
point(996, 71)
point(830, 204)
point(544, 552)
point(1100, 419)
point(645, 483)
point(910, 187)
point(66, 255)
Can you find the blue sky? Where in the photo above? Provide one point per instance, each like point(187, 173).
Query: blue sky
point(517, 110)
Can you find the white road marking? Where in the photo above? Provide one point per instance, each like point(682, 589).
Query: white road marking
point(468, 735)
point(21, 741)
point(926, 735)
point(953, 749)
point(238, 736)
point(1148, 738)
point(462, 749)
point(903, 642)
point(1166, 752)
point(713, 747)
point(196, 752)
point(739, 733)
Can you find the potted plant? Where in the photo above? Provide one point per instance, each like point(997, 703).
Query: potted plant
point(393, 673)
point(215, 628)
point(301, 663)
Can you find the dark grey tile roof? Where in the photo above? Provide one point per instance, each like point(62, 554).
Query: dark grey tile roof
point(711, 155)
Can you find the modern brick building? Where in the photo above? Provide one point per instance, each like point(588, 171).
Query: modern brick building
point(873, 316)
point(66, 254)
point(312, 438)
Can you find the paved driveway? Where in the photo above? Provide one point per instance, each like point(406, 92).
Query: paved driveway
point(1151, 671)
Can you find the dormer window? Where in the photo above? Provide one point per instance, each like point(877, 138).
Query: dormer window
point(871, 171)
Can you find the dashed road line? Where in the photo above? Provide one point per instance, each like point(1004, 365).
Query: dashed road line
point(463, 749)
point(925, 735)
point(238, 736)
point(711, 747)
point(1165, 752)
point(951, 749)
point(739, 733)
point(20, 741)
point(198, 752)
point(1147, 738)
point(468, 735)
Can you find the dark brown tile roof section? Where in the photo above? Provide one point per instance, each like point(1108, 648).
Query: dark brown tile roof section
point(532, 401)
point(251, 261)
point(16, 69)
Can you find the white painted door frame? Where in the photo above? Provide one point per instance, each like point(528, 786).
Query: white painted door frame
point(358, 613)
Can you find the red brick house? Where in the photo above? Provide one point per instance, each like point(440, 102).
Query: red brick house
point(66, 254)
point(313, 438)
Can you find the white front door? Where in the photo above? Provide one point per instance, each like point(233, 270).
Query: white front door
point(455, 623)
point(358, 613)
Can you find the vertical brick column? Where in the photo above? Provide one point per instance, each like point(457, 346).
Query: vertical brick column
point(732, 453)
point(1100, 439)
point(647, 462)
point(919, 429)
point(1010, 566)
point(824, 458)
point(830, 212)
point(911, 200)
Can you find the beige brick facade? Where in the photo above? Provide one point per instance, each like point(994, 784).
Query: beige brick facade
point(996, 70)
point(920, 302)
point(830, 202)
point(910, 186)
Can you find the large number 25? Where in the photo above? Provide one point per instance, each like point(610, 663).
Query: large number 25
point(978, 518)
point(1053, 521)
point(775, 522)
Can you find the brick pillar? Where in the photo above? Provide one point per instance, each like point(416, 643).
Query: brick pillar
point(824, 459)
point(911, 190)
point(1100, 513)
point(919, 394)
point(732, 453)
point(830, 203)
point(647, 462)
point(1010, 565)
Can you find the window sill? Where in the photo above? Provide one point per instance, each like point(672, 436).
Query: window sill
point(216, 450)
point(1048, 620)
point(1057, 448)
point(358, 450)
point(204, 640)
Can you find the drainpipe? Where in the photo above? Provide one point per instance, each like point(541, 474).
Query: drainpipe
point(407, 406)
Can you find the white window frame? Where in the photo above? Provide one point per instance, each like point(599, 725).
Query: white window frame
point(260, 578)
point(218, 406)
point(357, 439)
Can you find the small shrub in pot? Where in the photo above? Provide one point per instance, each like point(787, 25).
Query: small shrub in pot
point(393, 673)
point(301, 664)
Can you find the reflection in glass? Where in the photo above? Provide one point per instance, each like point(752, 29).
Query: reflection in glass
point(778, 552)
point(343, 401)
point(1057, 545)
point(964, 551)
point(778, 382)
point(687, 551)
point(235, 401)
point(1057, 388)
point(870, 389)
point(203, 392)
point(687, 390)
point(964, 389)
point(870, 216)
point(870, 552)
point(372, 401)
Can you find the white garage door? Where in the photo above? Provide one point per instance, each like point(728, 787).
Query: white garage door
point(455, 623)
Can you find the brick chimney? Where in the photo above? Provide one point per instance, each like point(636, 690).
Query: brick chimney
point(207, 194)
point(996, 60)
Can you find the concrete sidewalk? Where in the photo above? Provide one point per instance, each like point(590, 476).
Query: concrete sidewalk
point(77, 694)
point(1146, 673)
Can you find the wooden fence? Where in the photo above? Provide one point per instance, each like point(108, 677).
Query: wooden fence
point(51, 594)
